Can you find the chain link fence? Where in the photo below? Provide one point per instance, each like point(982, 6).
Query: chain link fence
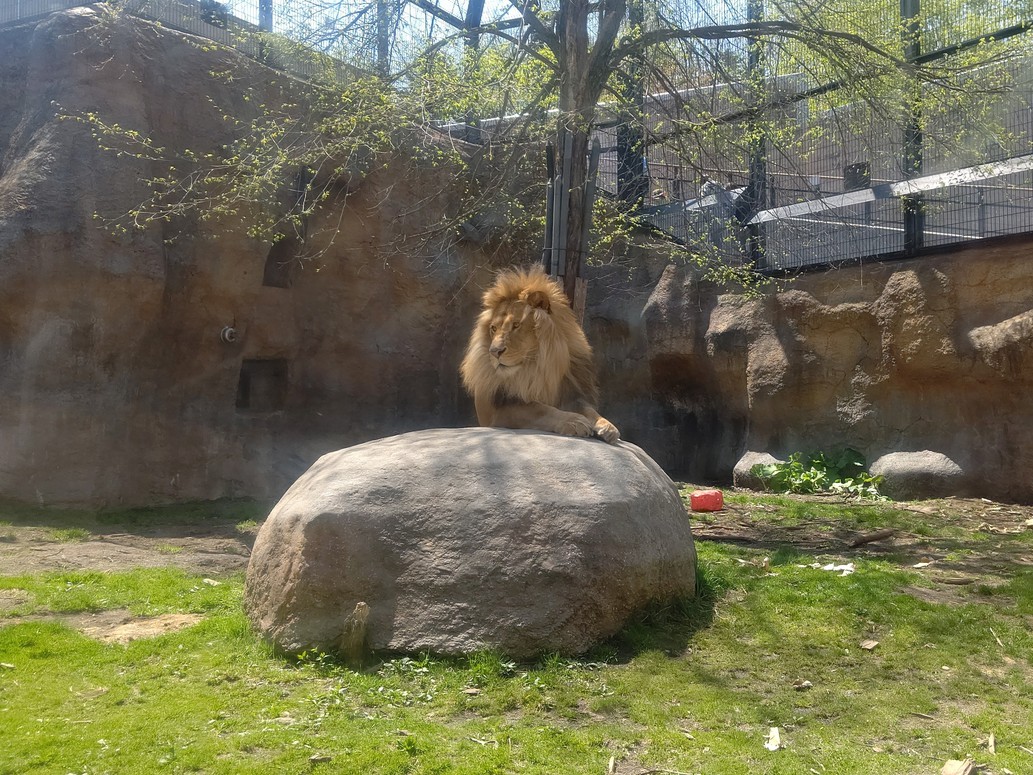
point(852, 181)
point(842, 182)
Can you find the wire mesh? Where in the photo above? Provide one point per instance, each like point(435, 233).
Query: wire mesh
point(702, 173)
point(824, 150)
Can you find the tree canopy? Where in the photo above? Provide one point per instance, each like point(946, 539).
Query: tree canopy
point(748, 90)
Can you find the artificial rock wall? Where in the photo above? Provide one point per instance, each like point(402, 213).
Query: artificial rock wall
point(931, 355)
point(116, 387)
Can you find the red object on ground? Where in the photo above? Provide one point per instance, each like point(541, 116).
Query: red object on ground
point(707, 500)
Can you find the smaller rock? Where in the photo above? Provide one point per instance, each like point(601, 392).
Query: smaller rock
point(742, 473)
point(915, 475)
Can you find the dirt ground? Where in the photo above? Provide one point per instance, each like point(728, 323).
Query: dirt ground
point(211, 547)
point(211, 544)
point(955, 543)
point(967, 537)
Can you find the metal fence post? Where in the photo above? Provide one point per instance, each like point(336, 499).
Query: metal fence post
point(757, 187)
point(913, 205)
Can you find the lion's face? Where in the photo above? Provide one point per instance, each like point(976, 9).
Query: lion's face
point(511, 334)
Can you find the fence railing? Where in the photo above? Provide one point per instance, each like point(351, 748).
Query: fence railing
point(846, 196)
point(709, 200)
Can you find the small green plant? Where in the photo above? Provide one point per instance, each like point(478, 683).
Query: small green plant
point(842, 473)
point(70, 534)
point(486, 667)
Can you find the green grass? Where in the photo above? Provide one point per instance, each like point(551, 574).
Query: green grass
point(69, 534)
point(686, 688)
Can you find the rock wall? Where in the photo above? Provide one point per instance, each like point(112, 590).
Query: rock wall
point(931, 356)
point(116, 386)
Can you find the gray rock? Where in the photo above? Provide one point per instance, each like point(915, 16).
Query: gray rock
point(460, 540)
point(923, 474)
point(742, 473)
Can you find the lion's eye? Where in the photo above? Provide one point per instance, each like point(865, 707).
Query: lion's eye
point(516, 326)
point(493, 329)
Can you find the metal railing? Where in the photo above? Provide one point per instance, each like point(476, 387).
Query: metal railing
point(845, 197)
point(707, 196)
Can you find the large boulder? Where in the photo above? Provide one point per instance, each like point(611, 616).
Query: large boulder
point(460, 540)
point(742, 473)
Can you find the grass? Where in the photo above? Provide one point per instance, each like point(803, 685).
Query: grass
point(69, 534)
point(685, 688)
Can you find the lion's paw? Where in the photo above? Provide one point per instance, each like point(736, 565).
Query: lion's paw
point(574, 425)
point(607, 431)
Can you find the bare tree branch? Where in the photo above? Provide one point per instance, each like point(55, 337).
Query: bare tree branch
point(804, 33)
point(612, 13)
point(531, 18)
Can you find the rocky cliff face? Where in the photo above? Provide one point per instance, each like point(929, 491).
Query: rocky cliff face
point(116, 383)
point(932, 355)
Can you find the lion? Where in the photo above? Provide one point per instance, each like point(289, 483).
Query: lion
point(528, 364)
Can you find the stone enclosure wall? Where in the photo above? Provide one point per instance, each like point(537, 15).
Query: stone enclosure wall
point(931, 355)
point(116, 387)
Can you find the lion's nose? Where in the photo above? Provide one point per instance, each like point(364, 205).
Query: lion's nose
point(497, 350)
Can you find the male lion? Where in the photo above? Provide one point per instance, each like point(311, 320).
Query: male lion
point(528, 364)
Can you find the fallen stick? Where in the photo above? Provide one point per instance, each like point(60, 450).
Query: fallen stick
point(878, 535)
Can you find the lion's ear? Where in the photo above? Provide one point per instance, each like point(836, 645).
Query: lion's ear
point(536, 299)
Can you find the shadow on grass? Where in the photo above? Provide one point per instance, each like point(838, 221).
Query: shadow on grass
point(203, 518)
point(666, 626)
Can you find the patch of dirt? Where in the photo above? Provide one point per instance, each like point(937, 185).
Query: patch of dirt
point(954, 542)
point(120, 626)
point(12, 598)
point(212, 548)
point(209, 546)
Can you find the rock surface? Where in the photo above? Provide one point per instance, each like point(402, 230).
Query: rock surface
point(117, 386)
point(921, 474)
point(459, 540)
point(742, 473)
point(929, 354)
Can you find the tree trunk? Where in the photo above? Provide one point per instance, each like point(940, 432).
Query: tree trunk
point(583, 74)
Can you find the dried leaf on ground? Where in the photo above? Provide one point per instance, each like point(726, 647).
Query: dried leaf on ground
point(844, 569)
point(802, 686)
point(869, 644)
point(955, 767)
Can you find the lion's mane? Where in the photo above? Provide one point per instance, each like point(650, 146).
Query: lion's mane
point(561, 371)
